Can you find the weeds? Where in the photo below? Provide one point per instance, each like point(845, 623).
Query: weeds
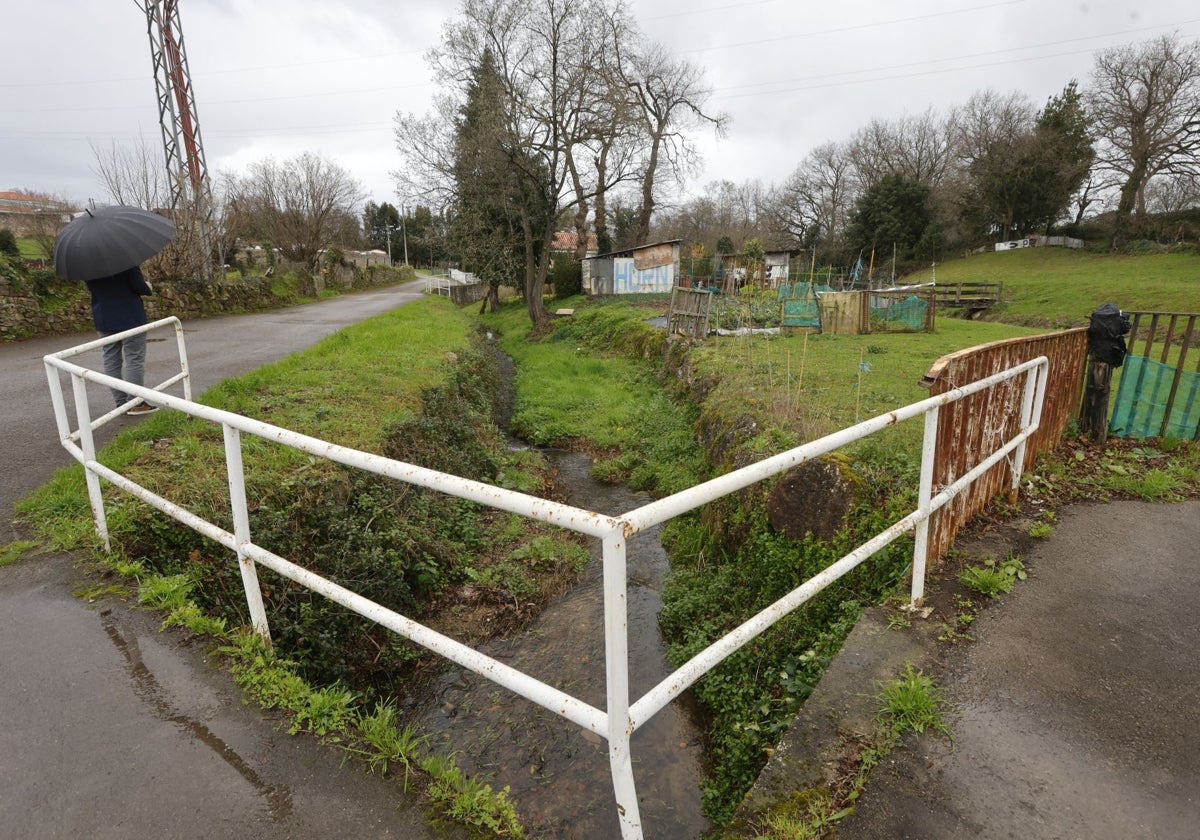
point(164, 592)
point(1155, 485)
point(14, 551)
point(470, 801)
point(192, 618)
point(325, 710)
point(994, 578)
point(913, 702)
point(388, 743)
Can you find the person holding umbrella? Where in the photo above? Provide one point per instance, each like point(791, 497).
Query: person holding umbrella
point(117, 306)
point(105, 249)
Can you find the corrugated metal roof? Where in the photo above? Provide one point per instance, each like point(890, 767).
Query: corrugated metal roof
point(629, 252)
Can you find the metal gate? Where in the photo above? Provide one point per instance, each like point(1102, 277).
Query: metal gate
point(1157, 396)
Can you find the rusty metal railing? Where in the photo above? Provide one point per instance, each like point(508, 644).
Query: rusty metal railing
point(970, 426)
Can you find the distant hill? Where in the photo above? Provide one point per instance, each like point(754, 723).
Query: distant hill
point(1059, 287)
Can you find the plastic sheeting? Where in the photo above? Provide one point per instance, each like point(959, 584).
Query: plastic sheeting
point(1141, 401)
point(906, 314)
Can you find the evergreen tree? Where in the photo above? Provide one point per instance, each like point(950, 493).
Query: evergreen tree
point(492, 205)
point(894, 213)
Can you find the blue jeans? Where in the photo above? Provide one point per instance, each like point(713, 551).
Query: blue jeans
point(125, 360)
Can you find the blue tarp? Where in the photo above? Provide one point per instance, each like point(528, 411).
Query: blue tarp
point(1141, 401)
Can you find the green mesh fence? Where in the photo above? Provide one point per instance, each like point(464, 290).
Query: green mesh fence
point(891, 314)
point(1142, 397)
point(800, 304)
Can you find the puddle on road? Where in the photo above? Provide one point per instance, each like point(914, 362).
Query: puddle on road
point(147, 687)
point(558, 773)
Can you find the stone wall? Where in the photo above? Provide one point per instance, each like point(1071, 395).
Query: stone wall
point(44, 306)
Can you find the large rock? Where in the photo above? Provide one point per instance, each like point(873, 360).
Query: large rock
point(814, 498)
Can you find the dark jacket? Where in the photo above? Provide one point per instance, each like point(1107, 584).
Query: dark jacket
point(117, 300)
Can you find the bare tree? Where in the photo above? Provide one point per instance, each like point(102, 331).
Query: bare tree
point(426, 147)
point(1145, 102)
point(135, 175)
point(300, 206)
point(813, 203)
point(552, 56)
point(989, 118)
point(724, 210)
point(669, 95)
point(1172, 194)
point(919, 148)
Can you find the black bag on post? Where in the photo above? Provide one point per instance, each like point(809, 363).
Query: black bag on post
point(1106, 334)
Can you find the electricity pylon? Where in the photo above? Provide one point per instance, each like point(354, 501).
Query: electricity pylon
point(187, 172)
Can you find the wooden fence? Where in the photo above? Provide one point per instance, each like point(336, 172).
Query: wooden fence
point(975, 296)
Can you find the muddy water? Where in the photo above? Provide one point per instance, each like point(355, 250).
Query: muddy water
point(559, 774)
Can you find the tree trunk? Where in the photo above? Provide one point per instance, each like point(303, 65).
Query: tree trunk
point(581, 213)
point(642, 234)
point(1122, 222)
point(535, 279)
point(603, 239)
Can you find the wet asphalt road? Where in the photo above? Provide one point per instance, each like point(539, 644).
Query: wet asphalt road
point(112, 729)
point(1075, 715)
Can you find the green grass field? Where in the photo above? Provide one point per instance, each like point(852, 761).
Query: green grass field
point(1059, 287)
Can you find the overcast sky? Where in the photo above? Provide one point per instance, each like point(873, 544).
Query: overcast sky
point(281, 77)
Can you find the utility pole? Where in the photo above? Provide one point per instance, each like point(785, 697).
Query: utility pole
point(404, 230)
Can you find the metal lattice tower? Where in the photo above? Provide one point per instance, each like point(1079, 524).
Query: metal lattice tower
point(191, 191)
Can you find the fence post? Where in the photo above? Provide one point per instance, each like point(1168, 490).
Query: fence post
point(241, 530)
point(88, 444)
point(1093, 416)
point(616, 646)
point(924, 496)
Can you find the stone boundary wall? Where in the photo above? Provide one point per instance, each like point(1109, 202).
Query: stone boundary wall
point(36, 309)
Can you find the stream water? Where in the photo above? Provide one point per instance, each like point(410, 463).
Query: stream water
point(558, 773)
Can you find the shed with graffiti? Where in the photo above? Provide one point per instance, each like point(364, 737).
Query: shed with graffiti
point(640, 270)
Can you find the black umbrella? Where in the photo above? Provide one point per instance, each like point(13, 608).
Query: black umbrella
point(109, 240)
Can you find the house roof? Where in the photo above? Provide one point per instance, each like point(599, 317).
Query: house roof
point(567, 240)
point(630, 251)
point(16, 202)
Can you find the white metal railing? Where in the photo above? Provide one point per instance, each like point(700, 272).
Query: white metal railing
point(441, 284)
point(621, 718)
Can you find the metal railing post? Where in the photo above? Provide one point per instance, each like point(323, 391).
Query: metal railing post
point(88, 445)
point(241, 530)
point(924, 495)
point(616, 647)
point(58, 402)
point(1031, 413)
point(183, 362)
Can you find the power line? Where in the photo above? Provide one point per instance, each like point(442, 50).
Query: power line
point(966, 57)
point(856, 27)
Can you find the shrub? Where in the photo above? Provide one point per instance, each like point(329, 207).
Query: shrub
point(567, 277)
point(8, 243)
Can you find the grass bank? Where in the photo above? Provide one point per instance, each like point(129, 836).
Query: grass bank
point(1060, 287)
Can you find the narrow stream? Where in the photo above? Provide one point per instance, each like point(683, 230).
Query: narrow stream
point(558, 773)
